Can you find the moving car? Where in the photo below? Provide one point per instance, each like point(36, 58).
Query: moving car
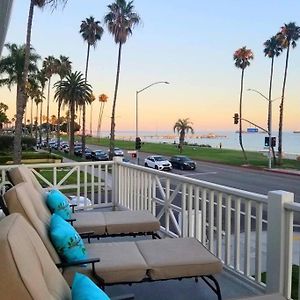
point(182, 162)
point(99, 155)
point(158, 162)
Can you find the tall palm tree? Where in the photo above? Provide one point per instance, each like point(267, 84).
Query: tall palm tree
point(272, 49)
point(183, 126)
point(102, 99)
point(73, 90)
point(21, 103)
point(120, 21)
point(64, 67)
point(42, 79)
point(91, 32)
point(91, 114)
point(11, 71)
point(287, 37)
point(242, 58)
point(50, 67)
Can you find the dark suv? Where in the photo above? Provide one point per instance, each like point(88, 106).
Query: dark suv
point(182, 162)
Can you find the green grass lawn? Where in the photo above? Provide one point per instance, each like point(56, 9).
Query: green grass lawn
point(224, 156)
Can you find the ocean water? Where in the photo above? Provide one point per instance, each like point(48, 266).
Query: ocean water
point(228, 139)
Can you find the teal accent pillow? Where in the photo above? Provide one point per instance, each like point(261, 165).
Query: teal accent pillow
point(58, 203)
point(84, 288)
point(66, 240)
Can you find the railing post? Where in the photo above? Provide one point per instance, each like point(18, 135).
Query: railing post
point(115, 181)
point(277, 237)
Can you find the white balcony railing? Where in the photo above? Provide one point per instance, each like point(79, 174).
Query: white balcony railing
point(251, 233)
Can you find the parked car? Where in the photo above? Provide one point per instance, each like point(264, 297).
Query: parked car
point(63, 145)
point(78, 151)
point(99, 155)
point(158, 162)
point(118, 152)
point(182, 162)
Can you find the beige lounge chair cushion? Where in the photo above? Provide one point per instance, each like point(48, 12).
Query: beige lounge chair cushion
point(130, 221)
point(119, 262)
point(27, 271)
point(19, 200)
point(23, 174)
point(90, 221)
point(264, 297)
point(181, 257)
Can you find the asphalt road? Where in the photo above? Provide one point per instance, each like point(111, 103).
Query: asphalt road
point(257, 181)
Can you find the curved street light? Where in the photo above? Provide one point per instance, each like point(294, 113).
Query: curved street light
point(136, 109)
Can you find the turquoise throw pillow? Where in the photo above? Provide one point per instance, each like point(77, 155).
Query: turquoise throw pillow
point(58, 203)
point(84, 288)
point(66, 240)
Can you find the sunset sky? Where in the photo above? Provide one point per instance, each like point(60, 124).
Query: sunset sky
point(188, 43)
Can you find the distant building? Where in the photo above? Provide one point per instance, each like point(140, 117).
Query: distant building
point(5, 10)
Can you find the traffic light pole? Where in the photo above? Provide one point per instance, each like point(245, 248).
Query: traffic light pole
point(270, 140)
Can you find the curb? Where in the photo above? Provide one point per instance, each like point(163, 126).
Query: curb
point(285, 172)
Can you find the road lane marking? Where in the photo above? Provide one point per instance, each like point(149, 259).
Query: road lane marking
point(196, 174)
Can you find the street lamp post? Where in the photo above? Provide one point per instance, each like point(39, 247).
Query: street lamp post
point(137, 114)
point(269, 122)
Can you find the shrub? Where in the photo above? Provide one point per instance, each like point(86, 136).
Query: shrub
point(7, 143)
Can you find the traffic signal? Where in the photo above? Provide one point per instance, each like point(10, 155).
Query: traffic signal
point(267, 141)
point(138, 143)
point(273, 141)
point(236, 118)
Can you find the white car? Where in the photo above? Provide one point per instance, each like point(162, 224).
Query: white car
point(158, 162)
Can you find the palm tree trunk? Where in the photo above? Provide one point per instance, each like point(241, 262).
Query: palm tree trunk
point(72, 123)
point(270, 108)
point(181, 141)
point(112, 126)
point(240, 111)
point(48, 102)
point(58, 123)
point(31, 119)
point(84, 105)
point(91, 117)
point(21, 97)
point(281, 107)
point(36, 122)
point(18, 128)
point(41, 118)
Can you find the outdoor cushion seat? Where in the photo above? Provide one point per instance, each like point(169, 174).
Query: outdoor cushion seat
point(181, 257)
point(101, 223)
point(121, 262)
point(264, 297)
point(27, 270)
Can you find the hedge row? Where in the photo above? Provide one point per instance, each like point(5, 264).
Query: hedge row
point(7, 143)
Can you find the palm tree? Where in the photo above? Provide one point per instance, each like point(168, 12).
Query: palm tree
point(21, 102)
point(287, 37)
point(242, 58)
point(91, 32)
point(91, 114)
point(120, 21)
point(73, 90)
point(42, 79)
point(183, 126)
point(12, 68)
point(272, 49)
point(64, 67)
point(50, 67)
point(38, 99)
point(102, 99)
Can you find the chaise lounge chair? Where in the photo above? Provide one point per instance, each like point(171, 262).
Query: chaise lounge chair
point(27, 270)
point(103, 224)
point(127, 262)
